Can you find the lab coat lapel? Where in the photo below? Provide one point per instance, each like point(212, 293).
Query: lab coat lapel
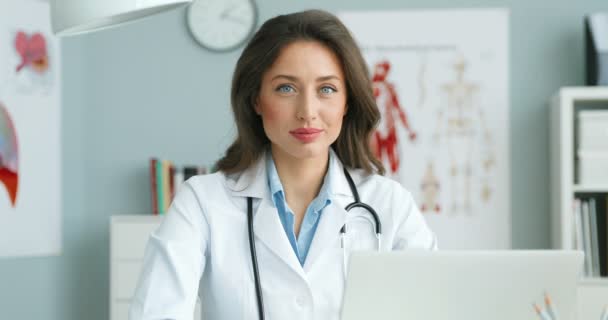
point(269, 230)
point(327, 235)
point(253, 182)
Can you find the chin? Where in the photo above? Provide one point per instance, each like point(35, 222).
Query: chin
point(305, 150)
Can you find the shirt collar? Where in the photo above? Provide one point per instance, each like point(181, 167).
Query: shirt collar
point(322, 200)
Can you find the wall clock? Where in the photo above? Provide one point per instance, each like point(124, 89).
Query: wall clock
point(222, 25)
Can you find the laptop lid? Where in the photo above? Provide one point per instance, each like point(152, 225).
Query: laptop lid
point(440, 285)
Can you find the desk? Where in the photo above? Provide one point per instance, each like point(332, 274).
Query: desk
point(592, 298)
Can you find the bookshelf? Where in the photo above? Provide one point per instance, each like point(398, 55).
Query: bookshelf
point(566, 185)
point(590, 188)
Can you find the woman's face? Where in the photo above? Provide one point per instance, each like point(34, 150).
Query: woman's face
point(302, 100)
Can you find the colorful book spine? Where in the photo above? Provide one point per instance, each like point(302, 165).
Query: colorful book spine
point(165, 181)
point(153, 190)
point(159, 187)
point(172, 181)
point(166, 185)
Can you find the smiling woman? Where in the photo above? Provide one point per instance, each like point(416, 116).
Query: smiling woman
point(302, 96)
point(265, 236)
point(306, 46)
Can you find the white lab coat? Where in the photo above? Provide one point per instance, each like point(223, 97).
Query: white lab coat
point(203, 240)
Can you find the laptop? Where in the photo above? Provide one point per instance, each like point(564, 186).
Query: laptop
point(442, 285)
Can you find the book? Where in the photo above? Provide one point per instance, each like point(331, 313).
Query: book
point(153, 186)
point(166, 186)
point(603, 237)
point(578, 226)
point(587, 239)
point(159, 187)
point(190, 171)
point(593, 227)
point(171, 181)
point(165, 180)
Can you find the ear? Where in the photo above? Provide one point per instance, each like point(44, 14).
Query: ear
point(256, 106)
point(345, 110)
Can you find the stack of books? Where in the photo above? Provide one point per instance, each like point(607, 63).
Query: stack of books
point(590, 233)
point(592, 150)
point(165, 180)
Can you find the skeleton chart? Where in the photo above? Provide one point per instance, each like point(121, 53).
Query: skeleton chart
point(440, 81)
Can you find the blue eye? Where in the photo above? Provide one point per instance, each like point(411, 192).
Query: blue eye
point(327, 90)
point(285, 88)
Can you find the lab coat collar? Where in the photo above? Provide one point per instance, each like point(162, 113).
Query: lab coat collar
point(338, 180)
point(252, 182)
point(269, 230)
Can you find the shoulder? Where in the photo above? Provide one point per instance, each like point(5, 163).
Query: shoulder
point(206, 184)
point(202, 180)
point(203, 193)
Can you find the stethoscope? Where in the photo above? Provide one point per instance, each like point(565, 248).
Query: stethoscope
point(355, 204)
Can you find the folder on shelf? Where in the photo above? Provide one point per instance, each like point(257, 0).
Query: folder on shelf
point(587, 239)
point(593, 227)
point(590, 227)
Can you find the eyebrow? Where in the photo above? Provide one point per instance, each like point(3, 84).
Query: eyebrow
point(295, 79)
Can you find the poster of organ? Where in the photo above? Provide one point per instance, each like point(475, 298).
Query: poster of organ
point(30, 148)
point(440, 79)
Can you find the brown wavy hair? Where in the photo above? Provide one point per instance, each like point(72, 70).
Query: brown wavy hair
point(362, 116)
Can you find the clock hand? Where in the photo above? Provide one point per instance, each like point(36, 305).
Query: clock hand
point(227, 16)
point(226, 12)
point(232, 18)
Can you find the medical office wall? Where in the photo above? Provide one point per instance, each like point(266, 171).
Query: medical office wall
point(147, 89)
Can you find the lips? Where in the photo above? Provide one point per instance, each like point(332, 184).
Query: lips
point(306, 134)
point(305, 131)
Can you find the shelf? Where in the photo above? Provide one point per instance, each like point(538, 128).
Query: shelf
point(590, 188)
point(603, 281)
point(589, 93)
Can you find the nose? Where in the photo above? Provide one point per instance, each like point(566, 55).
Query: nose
point(308, 107)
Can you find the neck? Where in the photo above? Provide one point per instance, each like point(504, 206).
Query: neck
point(300, 178)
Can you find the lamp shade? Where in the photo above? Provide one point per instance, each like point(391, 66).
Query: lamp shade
point(71, 17)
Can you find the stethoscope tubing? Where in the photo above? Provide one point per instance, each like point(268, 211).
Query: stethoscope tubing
point(254, 259)
point(356, 204)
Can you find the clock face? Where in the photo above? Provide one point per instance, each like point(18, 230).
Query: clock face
point(222, 25)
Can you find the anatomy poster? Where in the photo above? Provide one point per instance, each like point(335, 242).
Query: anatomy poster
point(30, 148)
point(440, 79)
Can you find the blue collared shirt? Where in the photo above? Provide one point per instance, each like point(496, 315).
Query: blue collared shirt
point(301, 244)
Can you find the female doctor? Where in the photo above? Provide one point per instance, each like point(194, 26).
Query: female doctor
point(304, 109)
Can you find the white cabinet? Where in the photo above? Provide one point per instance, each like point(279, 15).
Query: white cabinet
point(128, 238)
point(567, 139)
